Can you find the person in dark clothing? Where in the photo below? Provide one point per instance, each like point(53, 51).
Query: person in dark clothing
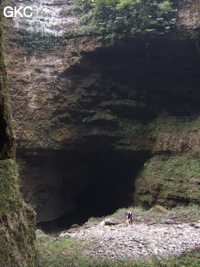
point(129, 216)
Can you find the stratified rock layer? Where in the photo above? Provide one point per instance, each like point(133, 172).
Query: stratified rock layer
point(101, 121)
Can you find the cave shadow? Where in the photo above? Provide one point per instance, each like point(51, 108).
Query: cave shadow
point(111, 186)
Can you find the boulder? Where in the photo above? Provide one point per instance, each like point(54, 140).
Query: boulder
point(160, 208)
point(65, 234)
point(111, 221)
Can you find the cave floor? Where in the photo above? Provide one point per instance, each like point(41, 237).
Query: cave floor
point(141, 240)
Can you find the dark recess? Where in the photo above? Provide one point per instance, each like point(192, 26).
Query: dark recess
point(164, 76)
point(109, 187)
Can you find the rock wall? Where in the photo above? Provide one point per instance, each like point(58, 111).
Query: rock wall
point(171, 176)
point(17, 220)
point(78, 98)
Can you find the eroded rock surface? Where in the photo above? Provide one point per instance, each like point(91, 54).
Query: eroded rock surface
point(120, 115)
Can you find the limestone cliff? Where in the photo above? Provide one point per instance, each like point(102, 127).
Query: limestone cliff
point(102, 112)
point(17, 220)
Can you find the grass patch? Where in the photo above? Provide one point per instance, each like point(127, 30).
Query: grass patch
point(55, 252)
point(192, 211)
point(62, 252)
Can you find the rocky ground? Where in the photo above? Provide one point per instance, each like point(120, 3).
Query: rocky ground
point(111, 239)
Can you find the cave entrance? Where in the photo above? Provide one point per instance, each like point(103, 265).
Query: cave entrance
point(112, 186)
point(71, 187)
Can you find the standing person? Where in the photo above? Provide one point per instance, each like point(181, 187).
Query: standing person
point(129, 217)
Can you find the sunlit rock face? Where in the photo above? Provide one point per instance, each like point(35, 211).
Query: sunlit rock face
point(48, 17)
point(90, 117)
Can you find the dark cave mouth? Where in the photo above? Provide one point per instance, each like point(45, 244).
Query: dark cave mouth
point(92, 184)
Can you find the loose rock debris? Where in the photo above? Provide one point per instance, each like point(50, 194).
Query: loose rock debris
point(142, 240)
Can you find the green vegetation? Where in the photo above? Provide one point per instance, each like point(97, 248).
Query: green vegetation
point(17, 220)
point(53, 124)
point(169, 181)
point(110, 19)
point(86, 120)
point(169, 123)
point(47, 125)
point(192, 211)
point(173, 134)
point(57, 131)
point(127, 18)
point(176, 166)
point(9, 189)
point(66, 252)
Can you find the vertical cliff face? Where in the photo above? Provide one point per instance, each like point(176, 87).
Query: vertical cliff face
point(101, 119)
point(16, 218)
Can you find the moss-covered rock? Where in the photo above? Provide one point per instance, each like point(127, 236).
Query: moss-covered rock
point(169, 180)
point(172, 175)
point(17, 220)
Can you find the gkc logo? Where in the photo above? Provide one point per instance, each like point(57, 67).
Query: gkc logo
point(11, 12)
